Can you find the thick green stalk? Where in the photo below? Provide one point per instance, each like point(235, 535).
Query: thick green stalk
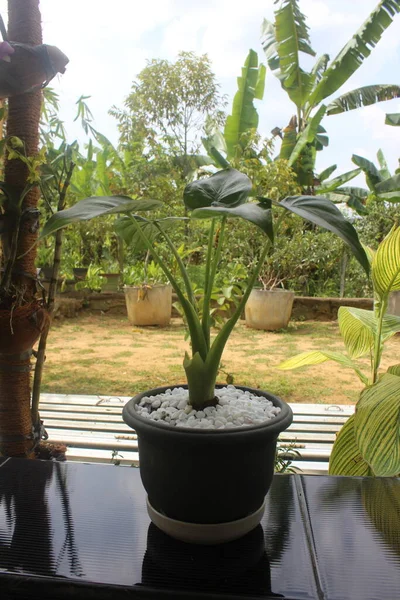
point(210, 284)
point(185, 277)
point(208, 271)
point(194, 325)
point(217, 348)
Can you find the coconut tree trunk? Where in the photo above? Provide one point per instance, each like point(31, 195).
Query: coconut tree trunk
point(22, 316)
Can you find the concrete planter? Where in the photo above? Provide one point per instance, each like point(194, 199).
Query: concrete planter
point(269, 309)
point(394, 304)
point(149, 305)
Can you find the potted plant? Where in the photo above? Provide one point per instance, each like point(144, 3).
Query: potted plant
point(148, 298)
point(269, 307)
point(206, 453)
point(369, 441)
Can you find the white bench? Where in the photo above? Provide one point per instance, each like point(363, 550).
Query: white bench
point(93, 430)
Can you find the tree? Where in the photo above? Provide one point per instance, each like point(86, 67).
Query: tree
point(21, 316)
point(168, 105)
point(284, 41)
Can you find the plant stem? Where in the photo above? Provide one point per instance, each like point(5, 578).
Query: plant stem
point(41, 354)
point(194, 325)
point(211, 277)
point(378, 339)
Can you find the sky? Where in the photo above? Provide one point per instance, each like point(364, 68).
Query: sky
point(108, 44)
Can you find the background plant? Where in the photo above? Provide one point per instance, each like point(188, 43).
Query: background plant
point(369, 442)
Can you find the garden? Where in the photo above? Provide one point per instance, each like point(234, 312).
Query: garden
point(192, 290)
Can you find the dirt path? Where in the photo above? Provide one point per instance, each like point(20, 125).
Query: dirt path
point(101, 354)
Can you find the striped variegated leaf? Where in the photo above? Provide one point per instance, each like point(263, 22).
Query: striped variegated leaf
point(357, 329)
point(315, 358)
point(386, 264)
point(377, 425)
point(352, 319)
point(345, 457)
point(394, 370)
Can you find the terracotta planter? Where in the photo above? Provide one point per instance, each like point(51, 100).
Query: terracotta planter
point(269, 309)
point(206, 486)
point(149, 305)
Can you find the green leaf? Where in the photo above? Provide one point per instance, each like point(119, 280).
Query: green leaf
point(316, 357)
point(127, 230)
point(394, 370)
point(392, 184)
point(292, 37)
point(96, 206)
point(363, 96)
point(346, 458)
point(377, 425)
point(270, 46)
point(389, 197)
point(254, 213)
point(386, 264)
point(228, 187)
point(319, 69)
point(353, 54)
point(357, 333)
point(307, 136)
point(393, 119)
point(354, 318)
point(323, 212)
point(372, 174)
point(327, 173)
point(244, 115)
point(332, 184)
point(383, 165)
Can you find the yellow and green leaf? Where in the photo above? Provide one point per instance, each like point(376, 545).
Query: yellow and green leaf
point(377, 425)
point(346, 458)
point(386, 264)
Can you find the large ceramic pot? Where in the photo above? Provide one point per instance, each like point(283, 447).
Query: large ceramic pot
point(149, 305)
point(269, 309)
point(206, 486)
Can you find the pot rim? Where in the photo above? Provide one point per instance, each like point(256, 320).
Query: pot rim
point(270, 427)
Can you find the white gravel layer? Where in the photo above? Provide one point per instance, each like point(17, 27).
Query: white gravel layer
point(235, 408)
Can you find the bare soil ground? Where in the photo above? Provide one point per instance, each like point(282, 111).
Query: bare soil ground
point(103, 354)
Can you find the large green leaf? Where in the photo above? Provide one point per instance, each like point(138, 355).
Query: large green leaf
point(372, 174)
point(96, 206)
point(393, 119)
point(307, 136)
point(319, 68)
point(392, 184)
point(270, 46)
point(244, 115)
point(228, 187)
point(322, 212)
point(332, 184)
point(353, 54)
point(327, 173)
point(363, 96)
point(127, 230)
point(357, 334)
point(345, 458)
point(394, 370)
point(359, 327)
point(257, 214)
point(389, 197)
point(384, 171)
point(316, 357)
point(292, 38)
point(386, 264)
point(377, 425)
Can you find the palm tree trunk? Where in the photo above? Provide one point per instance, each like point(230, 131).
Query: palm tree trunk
point(21, 315)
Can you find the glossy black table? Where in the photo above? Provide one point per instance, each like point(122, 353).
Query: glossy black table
point(81, 531)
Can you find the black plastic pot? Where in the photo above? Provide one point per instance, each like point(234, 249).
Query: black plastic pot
point(207, 476)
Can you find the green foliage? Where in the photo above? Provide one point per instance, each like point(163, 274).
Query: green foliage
point(284, 42)
point(222, 195)
point(369, 443)
point(143, 273)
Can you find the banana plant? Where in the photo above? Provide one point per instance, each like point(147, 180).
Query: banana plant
point(220, 197)
point(369, 441)
point(284, 41)
point(382, 185)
